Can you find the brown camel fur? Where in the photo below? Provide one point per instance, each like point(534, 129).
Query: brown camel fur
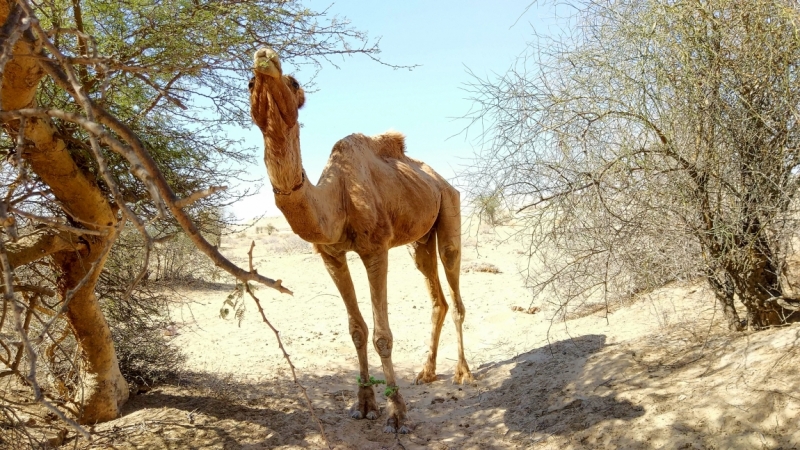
point(371, 197)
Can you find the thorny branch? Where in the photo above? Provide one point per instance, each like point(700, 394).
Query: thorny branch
point(280, 345)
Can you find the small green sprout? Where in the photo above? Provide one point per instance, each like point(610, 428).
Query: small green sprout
point(372, 382)
point(390, 391)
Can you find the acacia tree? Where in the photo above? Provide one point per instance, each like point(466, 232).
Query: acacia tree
point(113, 114)
point(653, 140)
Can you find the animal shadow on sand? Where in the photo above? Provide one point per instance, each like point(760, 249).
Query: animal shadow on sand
point(211, 411)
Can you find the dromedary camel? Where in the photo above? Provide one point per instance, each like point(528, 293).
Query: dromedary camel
point(371, 197)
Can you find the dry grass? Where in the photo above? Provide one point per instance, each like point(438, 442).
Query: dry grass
point(531, 310)
point(483, 267)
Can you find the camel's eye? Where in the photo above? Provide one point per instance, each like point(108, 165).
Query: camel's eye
point(294, 83)
point(251, 84)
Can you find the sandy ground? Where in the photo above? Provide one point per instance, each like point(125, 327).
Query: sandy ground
point(659, 372)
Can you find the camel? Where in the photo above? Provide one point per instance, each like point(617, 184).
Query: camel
point(370, 197)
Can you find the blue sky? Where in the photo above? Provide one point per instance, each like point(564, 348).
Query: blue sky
point(443, 38)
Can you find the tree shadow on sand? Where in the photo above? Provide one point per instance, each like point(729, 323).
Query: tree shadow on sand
point(205, 410)
point(546, 390)
point(549, 391)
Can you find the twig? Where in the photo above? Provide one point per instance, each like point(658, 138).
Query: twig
point(8, 295)
point(280, 345)
point(161, 92)
point(198, 195)
point(781, 300)
point(54, 223)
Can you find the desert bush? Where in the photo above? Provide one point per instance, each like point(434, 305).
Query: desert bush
point(146, 357)
point(269, 229)
point(652, 141)
point(489, 208)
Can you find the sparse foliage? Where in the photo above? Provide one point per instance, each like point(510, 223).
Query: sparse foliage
point(649, 141)
point(234, 303)
point(488, 207)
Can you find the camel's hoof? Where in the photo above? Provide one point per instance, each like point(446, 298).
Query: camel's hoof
point(396, 412)
point(356, 412)
point(463, 375)
point(425, 377)
point(404, 429)
point(365, 406)
point(391, 426)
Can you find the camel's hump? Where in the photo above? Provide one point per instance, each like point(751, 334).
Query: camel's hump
point(387, 145)
point(390, 144)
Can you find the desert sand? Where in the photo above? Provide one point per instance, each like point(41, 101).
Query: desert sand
point(657, 371)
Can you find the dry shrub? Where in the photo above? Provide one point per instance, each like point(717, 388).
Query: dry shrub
point(286, 243)
point(138, 319)
point(269, 229)
point(481, 267)
point(531, 310)
point(589, 308)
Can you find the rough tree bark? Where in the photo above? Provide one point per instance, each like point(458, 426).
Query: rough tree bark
point(104, 389)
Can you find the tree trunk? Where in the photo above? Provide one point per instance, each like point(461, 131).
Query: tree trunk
point(723, 291)
point(104, 389)
point(756, 282)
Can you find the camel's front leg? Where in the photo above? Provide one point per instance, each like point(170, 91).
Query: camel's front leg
point(377, 267)
point(365, 406)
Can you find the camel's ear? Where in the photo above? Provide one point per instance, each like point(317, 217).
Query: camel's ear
point(298, 91)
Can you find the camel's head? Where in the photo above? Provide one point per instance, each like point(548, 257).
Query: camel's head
point(275, 98)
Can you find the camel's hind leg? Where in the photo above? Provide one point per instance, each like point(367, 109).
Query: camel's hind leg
point(424, 253)
point(365, 406)
point(448, 236)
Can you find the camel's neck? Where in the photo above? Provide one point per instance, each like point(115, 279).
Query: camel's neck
point(310, 213)
point(309, 209)
point(274, 109)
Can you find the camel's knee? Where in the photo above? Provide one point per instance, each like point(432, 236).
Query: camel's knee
point(383, 344)
point(358, 334)
point(451, 256)
point(459, 312)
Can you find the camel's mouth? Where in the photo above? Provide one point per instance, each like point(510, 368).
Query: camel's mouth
point(267, 62)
